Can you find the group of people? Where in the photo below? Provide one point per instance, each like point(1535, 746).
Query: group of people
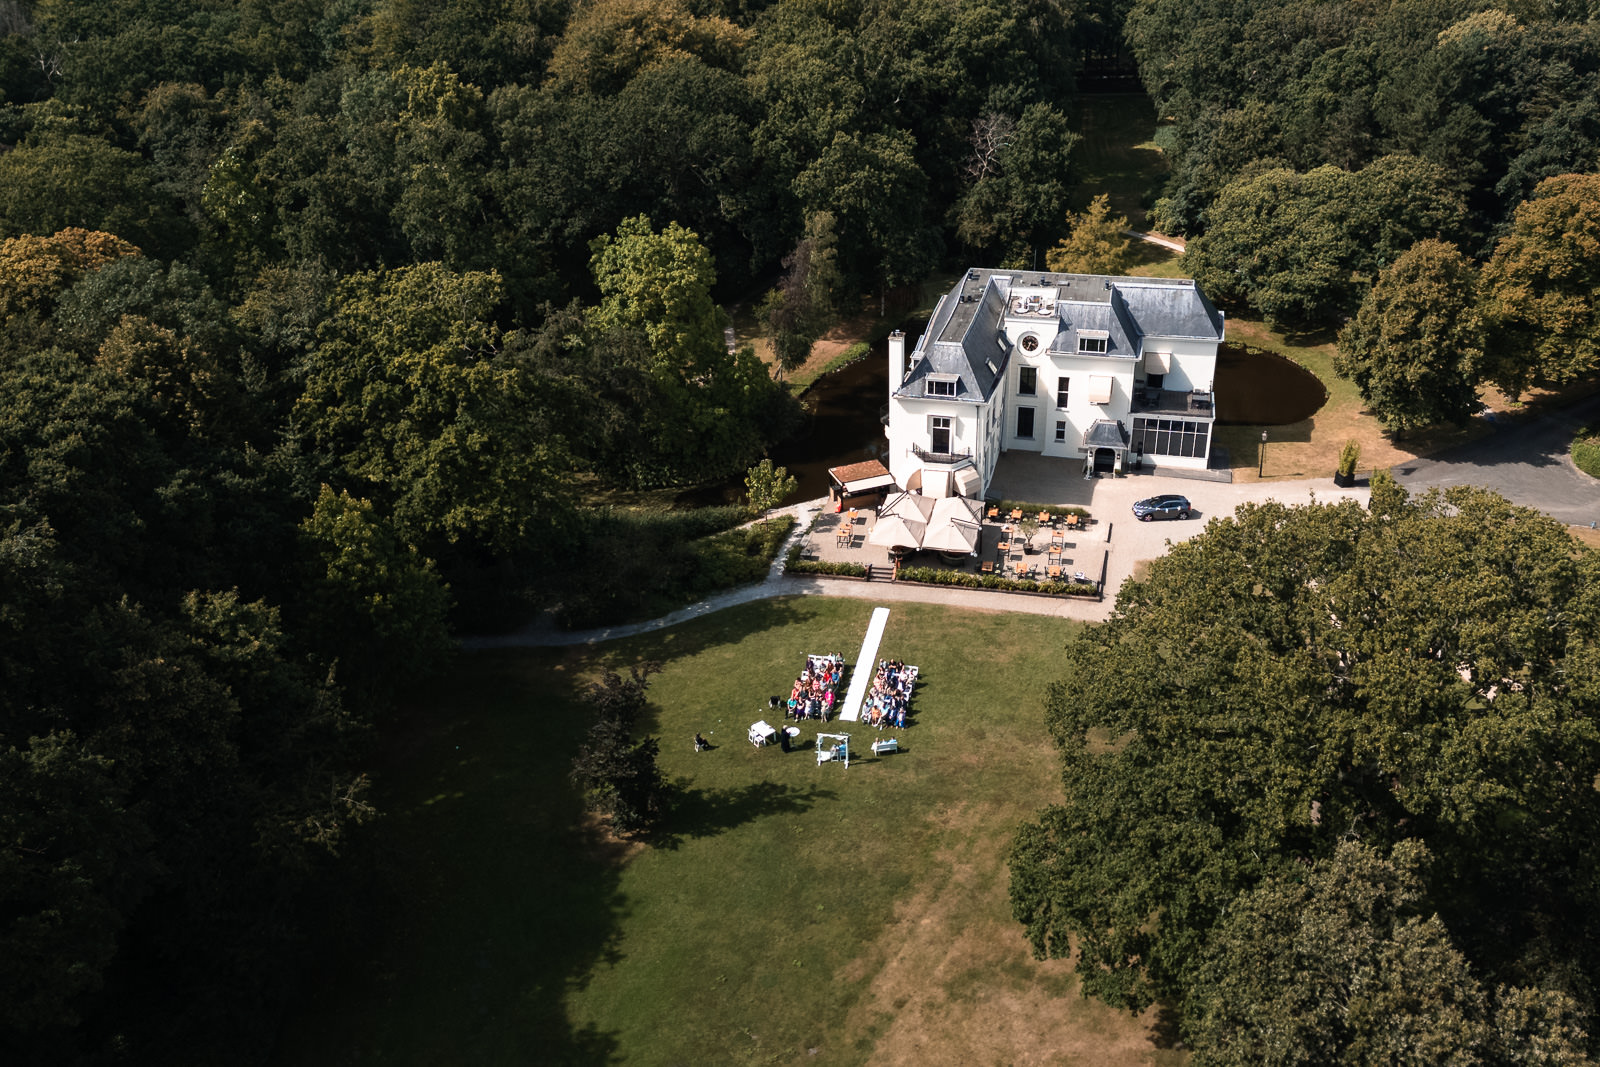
point(817, 688)
point(890, 697)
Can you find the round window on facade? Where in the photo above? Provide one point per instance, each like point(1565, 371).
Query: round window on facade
point(1029, 342)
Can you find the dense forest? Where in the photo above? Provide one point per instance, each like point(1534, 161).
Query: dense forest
point(1420, 172)
point(1342, 815)
point(316, 312)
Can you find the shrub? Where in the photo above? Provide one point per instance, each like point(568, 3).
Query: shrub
point(639, 570)
point(968, 580)
point(1586, 451)
point(1031, 508)
point(797, 565)
point(1349, 456)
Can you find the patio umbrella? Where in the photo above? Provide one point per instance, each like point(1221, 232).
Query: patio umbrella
point(953, 526)
point(895, 531)
point(901, 522)
point(909, 506)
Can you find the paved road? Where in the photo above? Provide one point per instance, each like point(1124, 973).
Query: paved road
point(1527, 462)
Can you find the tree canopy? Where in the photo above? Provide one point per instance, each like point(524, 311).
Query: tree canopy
point(1405, 675)
point(1415, 349)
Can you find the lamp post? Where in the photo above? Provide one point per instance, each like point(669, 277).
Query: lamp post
point(1261, 457)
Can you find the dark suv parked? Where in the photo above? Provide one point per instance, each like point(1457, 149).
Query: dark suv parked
point(1167, 506)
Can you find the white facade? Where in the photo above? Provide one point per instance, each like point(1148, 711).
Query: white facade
point(1088, 368)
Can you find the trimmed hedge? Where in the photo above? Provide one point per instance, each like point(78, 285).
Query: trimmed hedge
point(1031, 508)
point(796, 563)
point(1586, 451)
point(967, 580)
point(822, 566)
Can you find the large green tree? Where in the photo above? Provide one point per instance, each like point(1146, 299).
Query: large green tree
point(1300, 248)
point(1415, 348)
point(1096, 242)
point(1418, 672)
point(1542, 287)
point(60, 181)
point(409, 402)
point(1339, 964)
point(716, 409)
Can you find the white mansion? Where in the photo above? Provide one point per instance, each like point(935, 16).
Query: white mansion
point(1105, 371)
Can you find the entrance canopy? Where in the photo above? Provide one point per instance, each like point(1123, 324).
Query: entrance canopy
point(968, 483)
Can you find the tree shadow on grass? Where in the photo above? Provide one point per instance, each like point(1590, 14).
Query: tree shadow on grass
point(1166, 1028)
point(460, 921)
point(708, 812)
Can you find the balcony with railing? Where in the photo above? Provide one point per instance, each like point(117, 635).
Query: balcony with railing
point(1190, 403)
point(948, 458)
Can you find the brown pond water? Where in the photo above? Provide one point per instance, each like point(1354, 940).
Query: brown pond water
point(1256, 387)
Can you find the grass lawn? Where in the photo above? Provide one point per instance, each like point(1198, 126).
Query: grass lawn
point(1117, 156)
point(802, 914)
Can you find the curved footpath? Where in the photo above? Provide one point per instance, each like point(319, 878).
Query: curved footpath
point(1132, 542)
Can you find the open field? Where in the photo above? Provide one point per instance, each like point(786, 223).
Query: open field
point(801, 914)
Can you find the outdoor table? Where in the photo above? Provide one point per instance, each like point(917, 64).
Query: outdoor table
point(1003, 547)
point(1021, 569)
point(1073, 521)
point(1055, 550)
point(1044, 516)
point(994, 513)
point(852, 516)
point(988, 566)
point(1055, 571)
point(1016, 514)
point(1058, 537)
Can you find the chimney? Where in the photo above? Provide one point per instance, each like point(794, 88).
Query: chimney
point(897, 360)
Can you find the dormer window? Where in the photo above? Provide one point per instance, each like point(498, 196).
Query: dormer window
point(1093, 341)
point(942, 384)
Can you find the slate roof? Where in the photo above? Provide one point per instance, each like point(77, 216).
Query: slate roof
point(1105, 433)
point(1108, 316)
point(964, 338)
point(1165, 309)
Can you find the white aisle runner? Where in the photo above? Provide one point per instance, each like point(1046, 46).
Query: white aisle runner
point(866, 666)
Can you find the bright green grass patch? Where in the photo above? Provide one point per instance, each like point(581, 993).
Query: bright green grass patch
point(860, 350)
point(503, 934)
point(1586, 451)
